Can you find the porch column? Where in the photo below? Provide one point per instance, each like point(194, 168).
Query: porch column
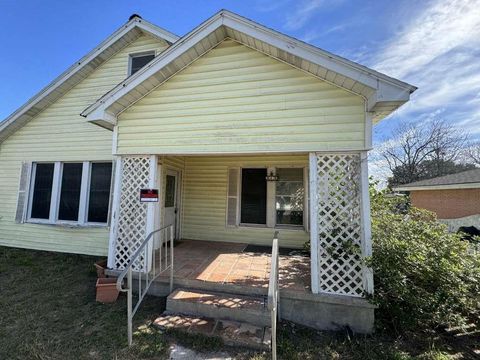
point(131, 220)
point(340, 235)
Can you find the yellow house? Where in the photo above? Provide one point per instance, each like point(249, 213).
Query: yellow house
point(223, 136)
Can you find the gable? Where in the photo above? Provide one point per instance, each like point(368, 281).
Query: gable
point(135, 28)
point(59, 131)
point(237, 100)
point(382, 93)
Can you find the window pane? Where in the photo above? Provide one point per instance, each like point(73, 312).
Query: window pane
point(254, 196)
point(170, 191)
point(137, 62)
point(42, 191)
point(289, 197)
point(70, 191)
point(99, 195)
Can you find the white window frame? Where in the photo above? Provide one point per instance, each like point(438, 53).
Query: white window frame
point(139, 54)
point(271, 196)
point(56, 191)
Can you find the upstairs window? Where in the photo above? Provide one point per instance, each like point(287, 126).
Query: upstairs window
point(73, 192)
point(138, 61)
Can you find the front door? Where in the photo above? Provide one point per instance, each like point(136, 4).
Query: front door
point(171, 199)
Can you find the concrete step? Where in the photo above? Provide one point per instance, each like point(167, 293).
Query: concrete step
point(246, 309)
point(231, 332)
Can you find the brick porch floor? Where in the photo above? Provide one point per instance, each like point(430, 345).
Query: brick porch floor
point(228, 263)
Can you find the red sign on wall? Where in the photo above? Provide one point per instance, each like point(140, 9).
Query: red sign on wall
point(148, 195)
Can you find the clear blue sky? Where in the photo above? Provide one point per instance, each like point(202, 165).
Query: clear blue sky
point(434, 45)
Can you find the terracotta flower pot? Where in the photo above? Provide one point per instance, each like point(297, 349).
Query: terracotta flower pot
point(100, 266)
point(107, 290)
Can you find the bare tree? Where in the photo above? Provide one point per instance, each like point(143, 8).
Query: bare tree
point(472, 154)
point(413, 145)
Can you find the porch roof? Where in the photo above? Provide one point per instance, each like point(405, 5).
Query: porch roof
point(382, 93)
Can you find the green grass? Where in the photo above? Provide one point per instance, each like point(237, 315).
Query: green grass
point(48, 311)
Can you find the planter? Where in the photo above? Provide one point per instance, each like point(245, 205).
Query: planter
point(107, 290)
point(101, 265)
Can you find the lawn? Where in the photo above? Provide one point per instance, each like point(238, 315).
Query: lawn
point(48, 311)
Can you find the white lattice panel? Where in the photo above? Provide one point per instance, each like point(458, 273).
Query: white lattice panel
point(132, 214)
point(339, 224)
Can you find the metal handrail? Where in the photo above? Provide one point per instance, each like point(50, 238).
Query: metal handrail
point(149, 269)
point(273, 304)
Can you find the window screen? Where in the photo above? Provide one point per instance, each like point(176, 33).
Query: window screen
point(70, 191)
point(289, 196)
point(254, 196)
point(99, 194)
point(139, 61)
point(42, 191)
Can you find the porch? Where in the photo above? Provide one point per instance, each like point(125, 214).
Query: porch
point(223, 211)
point(236, 268)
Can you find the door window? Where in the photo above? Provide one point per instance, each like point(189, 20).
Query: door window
point(170, 191)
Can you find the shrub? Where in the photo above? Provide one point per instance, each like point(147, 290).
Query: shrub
point(424, 276)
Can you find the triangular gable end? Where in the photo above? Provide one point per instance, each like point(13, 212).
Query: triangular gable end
point(382, 94)
point(121, 38)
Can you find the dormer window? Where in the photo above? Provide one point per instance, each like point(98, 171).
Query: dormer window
point(138, 61)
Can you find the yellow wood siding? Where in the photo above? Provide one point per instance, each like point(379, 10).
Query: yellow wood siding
point(205, 199)
point(60, 134)
point(237, 100)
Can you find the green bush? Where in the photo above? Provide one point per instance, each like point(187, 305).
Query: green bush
point(424, 276)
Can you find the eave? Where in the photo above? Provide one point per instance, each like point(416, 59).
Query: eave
point(438, 187)
point(382, 94)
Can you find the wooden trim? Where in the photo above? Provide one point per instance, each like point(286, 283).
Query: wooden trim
point(114, 212)
point(56, 190)
point(365, 221)
point(271, 193)
point(84, 192)
point(23, 193)
point(313, 179)
point(368, 130)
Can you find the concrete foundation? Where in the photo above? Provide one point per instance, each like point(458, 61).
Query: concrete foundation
point(318, 311)
point(328, 312)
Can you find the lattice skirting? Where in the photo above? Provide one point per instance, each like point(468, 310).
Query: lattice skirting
point(339, 224)
point(131, 223)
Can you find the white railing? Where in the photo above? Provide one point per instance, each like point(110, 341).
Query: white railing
point(273, 294)
point(144, 264)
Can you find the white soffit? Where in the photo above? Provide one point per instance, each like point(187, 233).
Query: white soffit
point(121, 38)
point(383, 94)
